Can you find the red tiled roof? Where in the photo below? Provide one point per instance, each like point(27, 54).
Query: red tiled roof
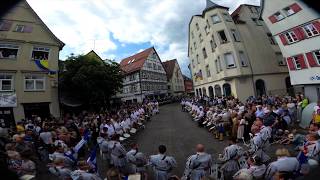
point(169, 67)
point(136, 61)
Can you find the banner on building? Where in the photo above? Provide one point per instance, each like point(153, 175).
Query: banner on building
point(8, 100)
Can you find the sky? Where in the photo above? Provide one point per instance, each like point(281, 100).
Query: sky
point(116, 29)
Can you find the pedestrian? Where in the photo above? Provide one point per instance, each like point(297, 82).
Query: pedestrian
point(136, 161)
point(162, 164)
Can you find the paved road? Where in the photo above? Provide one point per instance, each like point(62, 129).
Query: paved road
point(175, 129)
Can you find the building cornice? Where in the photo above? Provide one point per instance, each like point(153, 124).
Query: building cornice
point(229, 78)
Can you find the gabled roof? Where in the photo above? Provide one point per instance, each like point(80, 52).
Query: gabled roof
point(61, 44)
point(211, 5)
point(135, 62)
point(169, 67)
point(93, 54)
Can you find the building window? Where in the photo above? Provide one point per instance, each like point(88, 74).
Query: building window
point(198, 59)
point(200, 37)
point(310, 30)
point(19, 28)
point(208, 24)
point(192, 35)
point(154, 66)
point(34, 83)
point(229, 59)
point(297, 62)
point(279, 16)
point(291, 37)
point(195, 45)
point(6, 82)
point(216, 64)
point(40, 53)
point(197, 26)
point(213, 45)
point(227, 17)
point(317, 56)
point(8, 51)
point(193, 63)
point(204, 52)
point(289, 11)
point(206, 28)
point(281, 60)
point(219, 63)
point(215, 19)
point(159, 68)
point(271, 39)
point(208, 71)
point(223, 37)
point(257, 21)
point(235, 35)
point(243, 59)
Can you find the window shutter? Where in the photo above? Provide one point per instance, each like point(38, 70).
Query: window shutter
point(299, 33)
point(295, 7)
point(290, 64)
point(317, 25)
point(283, 39)
point(311, 60)
point(302, 62)
point(273, 19)
point(6, 25)
point(27, 29)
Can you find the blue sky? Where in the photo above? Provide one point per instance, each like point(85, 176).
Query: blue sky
point(116, 29)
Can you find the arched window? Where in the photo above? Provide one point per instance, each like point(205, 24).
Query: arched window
point(227, 89)
point(217, 90)
point(211, 93)
point(260, 87)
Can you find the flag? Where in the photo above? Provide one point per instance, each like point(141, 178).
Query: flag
point(92, 160)
point(83, 141)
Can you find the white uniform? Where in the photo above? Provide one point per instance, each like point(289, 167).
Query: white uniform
point(162, 165)
point(286, 164)
point(118, 154)
point(257, 147)
point(198, 166)
point(136, 161)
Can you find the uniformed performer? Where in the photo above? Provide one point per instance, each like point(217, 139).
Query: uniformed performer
point(257, 145)
point(285, 163)
point(136, 161)
point(162, 164)
point(230, 157)
point(118, 153)
point(198, 165)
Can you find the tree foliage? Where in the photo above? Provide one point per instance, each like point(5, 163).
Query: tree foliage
point(90, 79)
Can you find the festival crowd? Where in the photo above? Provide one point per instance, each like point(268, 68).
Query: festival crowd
point(69, 147)
point(252, 127)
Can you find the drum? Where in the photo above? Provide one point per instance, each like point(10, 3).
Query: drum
point(122, 139)
point(126, 135)
point(133, 130)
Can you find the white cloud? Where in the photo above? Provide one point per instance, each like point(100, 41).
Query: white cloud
point(163, 23)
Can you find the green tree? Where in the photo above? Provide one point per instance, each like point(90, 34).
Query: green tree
point(90, 79)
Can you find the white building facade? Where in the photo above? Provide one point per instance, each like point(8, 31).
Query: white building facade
point(234, 55)
point(296, 28)
point(175, 78)
point(144, 77)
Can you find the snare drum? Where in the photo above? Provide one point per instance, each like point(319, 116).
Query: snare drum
point(126, 135)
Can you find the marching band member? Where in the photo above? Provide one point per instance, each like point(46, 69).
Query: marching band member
point(198, 165)
point(136, 161)
point(257, 145)
point(162, 164)
point(118, 153)
point(285, 163)
point(230, 157)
